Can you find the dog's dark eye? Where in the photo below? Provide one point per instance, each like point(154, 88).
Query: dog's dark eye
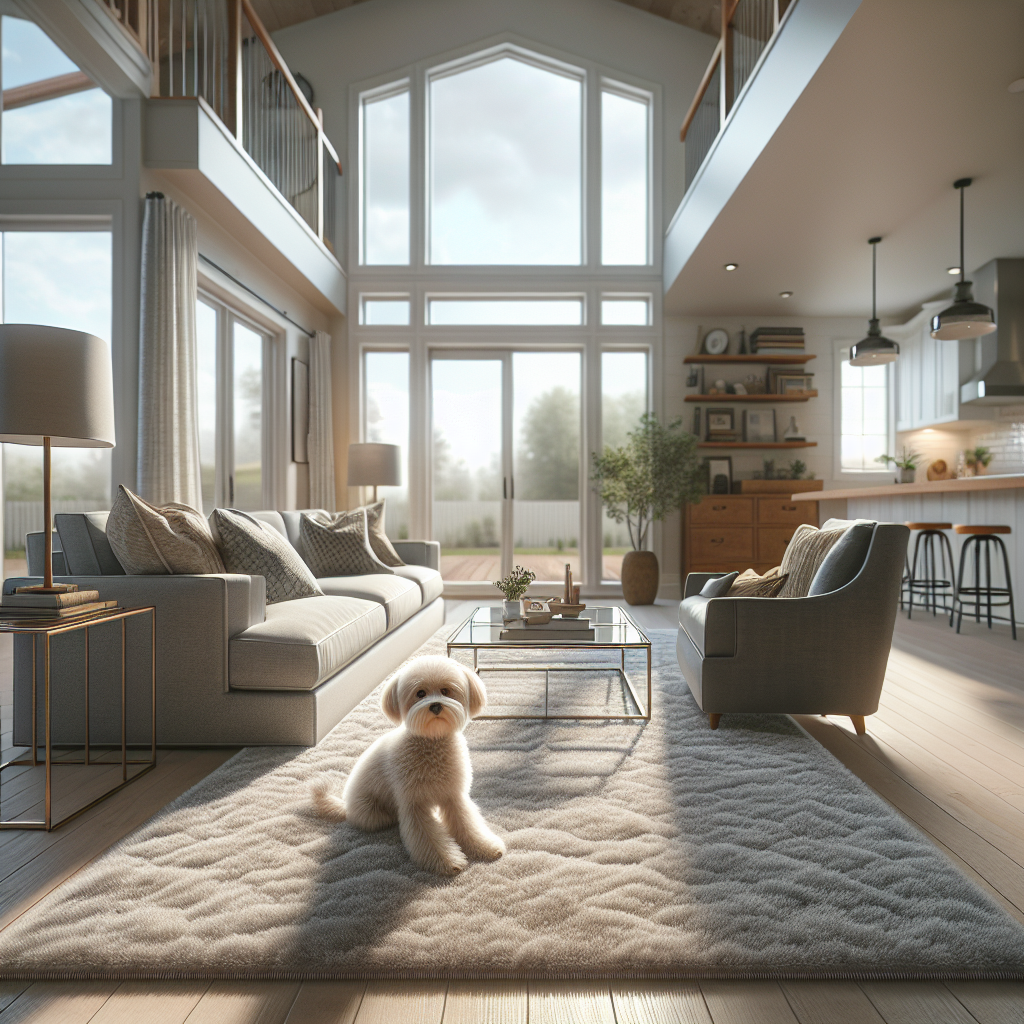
point(420, 694)
point(444, 692)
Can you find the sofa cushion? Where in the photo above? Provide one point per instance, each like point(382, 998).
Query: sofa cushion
point(750, 584)
point(803, 557)
point(844, 561)
point(253, 548)
point(719, 586)
point(379, 541)
point(83, 539)
point(711, 624)
point(304, 642)
point(429, 580)
point(274, 519)
point(151, 540)
point(293, 525)
point(338, 545)
point(401, 598)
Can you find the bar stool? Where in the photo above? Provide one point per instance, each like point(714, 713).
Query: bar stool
point(978, 538)
point(932, 562)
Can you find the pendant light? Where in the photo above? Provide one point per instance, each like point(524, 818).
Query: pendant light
point(965, 318)
point(874, 349)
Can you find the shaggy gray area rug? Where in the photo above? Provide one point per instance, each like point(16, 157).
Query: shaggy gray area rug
point(657, 849)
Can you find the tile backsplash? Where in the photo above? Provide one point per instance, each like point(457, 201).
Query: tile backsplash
point(1006, 441)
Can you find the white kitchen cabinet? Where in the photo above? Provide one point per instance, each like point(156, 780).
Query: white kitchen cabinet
point(927, 373)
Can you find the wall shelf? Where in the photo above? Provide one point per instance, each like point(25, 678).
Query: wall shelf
point(799, 396)
point(765, 360)
point(757, 444)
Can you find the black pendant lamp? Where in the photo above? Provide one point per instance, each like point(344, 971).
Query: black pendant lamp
point(874, 349)
point(965, 318)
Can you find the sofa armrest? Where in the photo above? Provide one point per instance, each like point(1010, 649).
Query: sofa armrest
point(695, 581)
point(419, 552)
point(35, 554)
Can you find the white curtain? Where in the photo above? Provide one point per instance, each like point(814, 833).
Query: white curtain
point(168, 468)
point(321, 428)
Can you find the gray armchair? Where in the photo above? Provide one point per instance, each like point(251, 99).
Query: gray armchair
point(808, 655)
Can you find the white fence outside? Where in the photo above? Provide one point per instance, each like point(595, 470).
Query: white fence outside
point(21, 517)
point(538, 524)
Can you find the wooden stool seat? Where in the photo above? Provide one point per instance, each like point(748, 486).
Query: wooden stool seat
point(928, 526)
point(982, 531)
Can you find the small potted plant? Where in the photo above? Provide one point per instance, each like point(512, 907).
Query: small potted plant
point(652, 475)
point(513, 586)
point(978, 459)
point(906, 462)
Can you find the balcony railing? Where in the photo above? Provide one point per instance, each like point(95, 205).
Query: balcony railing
point(747, 28)
point(219, 50)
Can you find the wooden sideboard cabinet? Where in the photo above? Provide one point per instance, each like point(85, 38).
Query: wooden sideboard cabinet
point(741, 531)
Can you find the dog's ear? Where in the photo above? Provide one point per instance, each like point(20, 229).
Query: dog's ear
point(389, 700)
point(477, 694)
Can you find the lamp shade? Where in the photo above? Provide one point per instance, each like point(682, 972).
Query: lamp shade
point(964, 319)
point(875, 349)
point(377, 465)
point(55, 383)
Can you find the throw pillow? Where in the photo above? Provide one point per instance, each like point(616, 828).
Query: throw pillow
point(749, 584)
point(844, 561)
point(718, 587)
point(803, 557)
point(256, 549)
point(151, 540)
point(339, 545)
point(378, 538)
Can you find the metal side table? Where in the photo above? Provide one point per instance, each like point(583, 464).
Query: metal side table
point(43, 635)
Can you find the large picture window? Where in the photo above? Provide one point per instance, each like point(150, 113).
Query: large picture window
point(384, 235)
point(52, 112)
point(864, 416)
point(625, 170)
point(506, 164)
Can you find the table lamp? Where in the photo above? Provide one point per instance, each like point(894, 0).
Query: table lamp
point(374, 465)
point(56, 390)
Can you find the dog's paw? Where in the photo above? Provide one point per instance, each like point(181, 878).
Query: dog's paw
point(488, 847)
point(325, 802)
point(451, 862)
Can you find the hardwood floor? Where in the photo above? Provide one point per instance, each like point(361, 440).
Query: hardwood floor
point(946, 749)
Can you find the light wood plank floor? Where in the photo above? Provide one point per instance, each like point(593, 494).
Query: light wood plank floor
point(946, 749)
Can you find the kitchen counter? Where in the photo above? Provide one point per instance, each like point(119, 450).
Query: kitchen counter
point(969, 484)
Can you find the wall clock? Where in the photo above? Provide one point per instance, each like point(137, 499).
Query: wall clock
point(716, 342)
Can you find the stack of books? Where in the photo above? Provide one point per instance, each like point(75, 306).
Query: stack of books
point(28, 606)
point(557, 630)
point(777, 340)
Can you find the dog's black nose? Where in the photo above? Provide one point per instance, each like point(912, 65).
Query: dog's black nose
point(436, 708)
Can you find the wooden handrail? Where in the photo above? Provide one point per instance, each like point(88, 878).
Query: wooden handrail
point(46, 89)
point(701, 89)
point(278, 61)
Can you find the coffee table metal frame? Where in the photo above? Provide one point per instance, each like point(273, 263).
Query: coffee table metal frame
point(579, 645)
point(45, 634)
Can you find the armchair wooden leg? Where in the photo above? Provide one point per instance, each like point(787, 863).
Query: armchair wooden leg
point(858, 724)
point(713, 720)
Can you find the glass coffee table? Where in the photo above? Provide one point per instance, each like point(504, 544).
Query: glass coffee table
point(566, 664)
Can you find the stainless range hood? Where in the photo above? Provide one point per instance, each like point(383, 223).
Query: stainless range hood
point(999, 357)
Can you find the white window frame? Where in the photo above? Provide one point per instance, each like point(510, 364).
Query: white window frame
point(228, 314)
point(839, 347)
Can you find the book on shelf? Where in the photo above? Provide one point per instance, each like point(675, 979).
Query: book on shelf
point(551, 635)
point(28, 599)
point(554, 625)
point(779, 347)
point(55, 614)
point(759, 331)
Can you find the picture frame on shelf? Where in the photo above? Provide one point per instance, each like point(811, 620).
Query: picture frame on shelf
point(716, 342)
point(793, 383)
point(720, 421)
point(719, 474)
point(759, 426)
point(697, 423)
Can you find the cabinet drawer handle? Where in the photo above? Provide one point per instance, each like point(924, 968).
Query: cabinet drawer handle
point(789, 508)
point(717, 540)
point(719, 508)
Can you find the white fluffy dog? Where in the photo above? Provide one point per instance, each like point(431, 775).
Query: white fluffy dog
point(419, 773)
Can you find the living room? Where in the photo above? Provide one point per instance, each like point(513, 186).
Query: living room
point(403, 259)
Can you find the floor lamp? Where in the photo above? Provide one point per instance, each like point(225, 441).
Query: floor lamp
point(56, 390)
point(374, 465)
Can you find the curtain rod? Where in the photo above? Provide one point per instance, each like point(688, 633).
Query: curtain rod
point(269, 305)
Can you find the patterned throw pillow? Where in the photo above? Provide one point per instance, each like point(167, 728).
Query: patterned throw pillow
point(157, 541)
point(339, 545)
point(378, 538)
point(803, 557)
point(749, 584)
point(253, 548)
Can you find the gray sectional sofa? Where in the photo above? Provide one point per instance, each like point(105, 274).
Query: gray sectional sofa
point(231, 669)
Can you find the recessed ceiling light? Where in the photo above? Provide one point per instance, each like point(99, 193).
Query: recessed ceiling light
point(1016, 86)
point(785, 295)
point(952, 270)
point(731, 266)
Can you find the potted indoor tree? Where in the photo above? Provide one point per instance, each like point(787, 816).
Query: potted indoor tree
point(653, 474)
point(906, 462)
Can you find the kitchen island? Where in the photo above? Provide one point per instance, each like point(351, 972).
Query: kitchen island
point(979, 500)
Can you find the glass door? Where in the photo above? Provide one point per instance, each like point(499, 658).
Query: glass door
point(506, 463)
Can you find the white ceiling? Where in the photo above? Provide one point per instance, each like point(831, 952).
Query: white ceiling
point(912, 96)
